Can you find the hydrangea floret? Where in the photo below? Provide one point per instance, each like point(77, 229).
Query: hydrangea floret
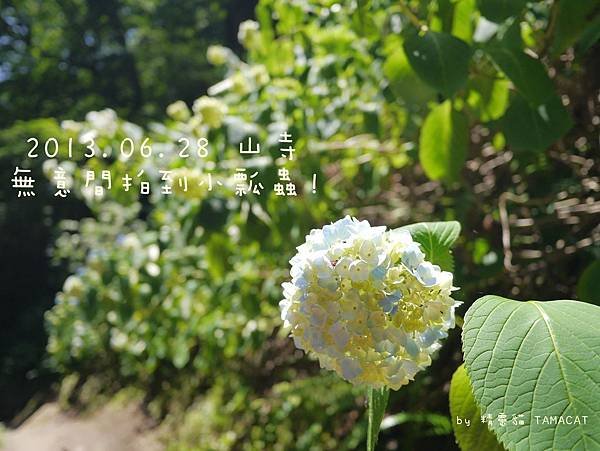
point(366, 303)
point(211, 110)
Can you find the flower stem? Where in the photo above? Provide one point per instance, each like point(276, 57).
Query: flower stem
point(377, 400)
point(410, 15)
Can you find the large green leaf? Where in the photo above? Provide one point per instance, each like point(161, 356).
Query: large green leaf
point(440, 59)
point(499, 10)
point(527, 74)
point(534, 128)
point(540, 360)
point(436, 240)
point(443, 142)
point(588, 286)
point(377, 400)
point(474, 435)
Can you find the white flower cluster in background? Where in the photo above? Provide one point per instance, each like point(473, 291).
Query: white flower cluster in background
point(366, 302)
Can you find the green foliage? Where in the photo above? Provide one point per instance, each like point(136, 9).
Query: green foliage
point(535, 128)
point(499, 10)
point(588, 285)
point(476, 435)
point(488, 97)
point(590, 34)
point(436, 240)
point(405, 84)
point(573, 19)
point(293, 415)
point(536, 359)
point(146, 300)
point(443, 143)
point(425, 424)
point(181, 291)
point(527, 74)
point(440, 59)
point(464, 19)
point(63, 59)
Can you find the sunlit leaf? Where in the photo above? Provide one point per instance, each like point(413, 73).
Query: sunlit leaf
point(536, 359)
point(433, 423)
point(488, 97)
point(475, 435)
point(436, 240)
point(443, 142)
point(462, 22)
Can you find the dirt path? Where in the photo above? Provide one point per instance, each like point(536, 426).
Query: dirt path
point(109, 429)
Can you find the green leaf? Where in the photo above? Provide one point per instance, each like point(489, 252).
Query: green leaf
point(440, 59)
point(436, 240)
point(589, 36)
point(527, 74)
point(488, 97)
point(534, 128)
point(428, 422)
point(588, 286)
point(499, 10)
point(441, 20)
point(509, 36)
point(377, 400)
point(539, 360)
point(571, 20)
point(476, 436)
point(443, 142)
point(462, 22)
point(405, 84)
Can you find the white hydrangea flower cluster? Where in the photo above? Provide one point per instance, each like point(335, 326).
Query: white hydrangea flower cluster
point(366, 303)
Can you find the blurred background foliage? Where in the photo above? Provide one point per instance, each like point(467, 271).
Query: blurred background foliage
point(406, 111)
point(64, 58)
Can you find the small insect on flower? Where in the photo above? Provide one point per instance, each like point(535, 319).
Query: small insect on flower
point(366, 302)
